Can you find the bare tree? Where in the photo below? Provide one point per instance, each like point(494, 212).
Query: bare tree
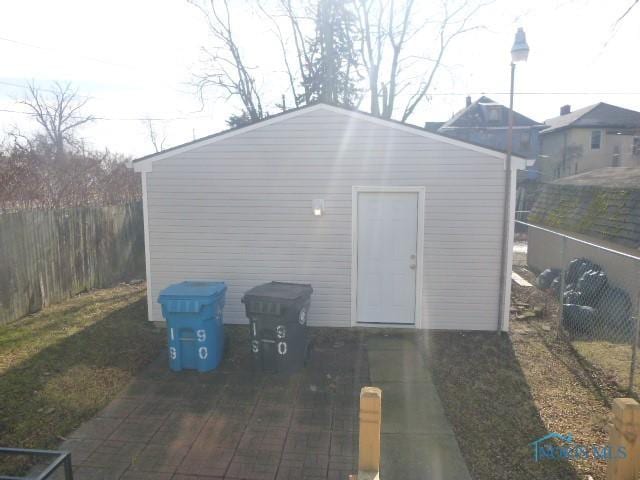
point(224, 66)
point(320, 59)
point(386, 29)
point(58, 112)
point(31, 178)
point(156, 140)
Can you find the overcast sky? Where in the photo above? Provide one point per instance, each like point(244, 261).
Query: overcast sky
point(135, 59)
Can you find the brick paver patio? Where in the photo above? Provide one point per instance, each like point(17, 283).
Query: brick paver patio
point(232, 423)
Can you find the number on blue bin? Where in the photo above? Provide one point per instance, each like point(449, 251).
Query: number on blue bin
point(202, 335)
point(172, 353)
point(282, 348)
point(202, 351)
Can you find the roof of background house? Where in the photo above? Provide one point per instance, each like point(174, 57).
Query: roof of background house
point(603, 204)
point(476, 115)
point(595, 116)
point(433, 126)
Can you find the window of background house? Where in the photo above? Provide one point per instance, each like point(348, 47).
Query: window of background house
point(596, 137)
point(636, 145)
point(525, 141)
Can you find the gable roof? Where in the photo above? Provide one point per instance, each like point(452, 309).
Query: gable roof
point(139, 163)
point(477, 115)
point(599, 115)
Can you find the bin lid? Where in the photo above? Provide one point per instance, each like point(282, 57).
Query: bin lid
point(190, 289)
point(278, 291)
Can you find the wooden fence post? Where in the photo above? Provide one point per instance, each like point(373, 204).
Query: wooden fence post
point(624, 432)
point(370, 425)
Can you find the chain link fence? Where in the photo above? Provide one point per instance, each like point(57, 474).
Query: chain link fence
point(597, 287)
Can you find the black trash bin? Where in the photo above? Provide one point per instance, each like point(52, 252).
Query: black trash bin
point(277, 314)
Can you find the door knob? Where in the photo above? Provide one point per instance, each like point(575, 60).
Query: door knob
point(413, 266)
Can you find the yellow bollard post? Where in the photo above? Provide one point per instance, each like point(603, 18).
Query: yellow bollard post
point(370, 426)
point(624, 432)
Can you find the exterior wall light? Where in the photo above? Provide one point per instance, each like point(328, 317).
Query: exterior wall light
point(318, 207)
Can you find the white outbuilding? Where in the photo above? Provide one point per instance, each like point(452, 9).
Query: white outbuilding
point(392, 225)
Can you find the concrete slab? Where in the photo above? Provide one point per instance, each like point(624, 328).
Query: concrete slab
point(403, 365)
point(390, 341)
point(412, 408)
point(422, 457)
point(417, 439)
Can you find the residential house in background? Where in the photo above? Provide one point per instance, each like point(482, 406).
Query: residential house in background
point(486, 122)
point(593, 137)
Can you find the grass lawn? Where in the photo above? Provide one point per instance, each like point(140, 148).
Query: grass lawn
point(613, 358)
point(62, 365)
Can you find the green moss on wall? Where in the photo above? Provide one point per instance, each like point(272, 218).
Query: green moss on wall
point(594, 211)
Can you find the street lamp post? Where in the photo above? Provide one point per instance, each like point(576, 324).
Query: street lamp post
point(519, 53)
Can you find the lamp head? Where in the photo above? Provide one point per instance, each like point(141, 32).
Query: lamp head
point(520, 49)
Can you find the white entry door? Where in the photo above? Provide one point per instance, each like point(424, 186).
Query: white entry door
point(387, 257)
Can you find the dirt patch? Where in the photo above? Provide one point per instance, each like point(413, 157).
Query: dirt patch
point(502, 392)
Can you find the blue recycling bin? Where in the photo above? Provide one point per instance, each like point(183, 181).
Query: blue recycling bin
point(193, 311)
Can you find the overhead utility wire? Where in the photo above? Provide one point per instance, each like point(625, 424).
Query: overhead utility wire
point(158, 119)
point(52, 49)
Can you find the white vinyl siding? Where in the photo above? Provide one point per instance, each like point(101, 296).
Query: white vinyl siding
point(239, 210)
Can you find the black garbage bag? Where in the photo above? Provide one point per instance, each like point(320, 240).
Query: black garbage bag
point(591, 285)
point(572, 297)
point(584, 267)
point(546, 277)
point(615, 315)
point(578, 320)
point(575, 269)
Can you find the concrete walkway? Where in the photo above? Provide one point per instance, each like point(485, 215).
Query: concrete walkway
point(417, 440)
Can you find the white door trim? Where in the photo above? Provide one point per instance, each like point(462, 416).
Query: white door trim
point(354, 252)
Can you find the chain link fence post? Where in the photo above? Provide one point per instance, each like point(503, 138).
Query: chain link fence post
point(634, 354)
point(563, 263)
point(634, 347)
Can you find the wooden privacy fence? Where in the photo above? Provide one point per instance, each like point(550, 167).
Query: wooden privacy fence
point(49, 255)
